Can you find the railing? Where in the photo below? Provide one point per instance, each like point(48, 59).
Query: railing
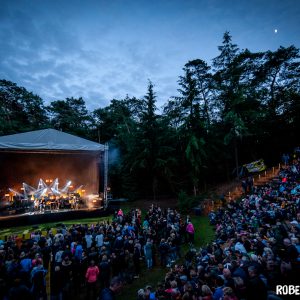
point(233, 191)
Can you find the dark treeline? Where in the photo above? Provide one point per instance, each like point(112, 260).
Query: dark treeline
point(242, 107)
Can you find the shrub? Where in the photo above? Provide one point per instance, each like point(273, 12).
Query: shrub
point(185, 202)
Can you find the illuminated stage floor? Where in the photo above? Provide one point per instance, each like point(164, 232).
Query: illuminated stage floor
point(54, 211)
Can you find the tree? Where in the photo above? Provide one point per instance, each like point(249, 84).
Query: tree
point(278, 76)
point(186, 108)
point(20, 110)
point(70, 115)
point(225, 77)
point(116, 125)
point(231, 93)
point(200, 72)
point(151, 158)
point(116, 119)
point(277, 85)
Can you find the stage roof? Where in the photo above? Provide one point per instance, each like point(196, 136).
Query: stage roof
point(47, 139)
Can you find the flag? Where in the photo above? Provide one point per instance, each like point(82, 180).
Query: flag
point(255, 166)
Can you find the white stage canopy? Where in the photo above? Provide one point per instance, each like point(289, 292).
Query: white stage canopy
point(47, 139)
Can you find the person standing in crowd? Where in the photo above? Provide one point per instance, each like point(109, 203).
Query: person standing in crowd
point(56, 284)
point(148, 253)
point(244, 185)
point(89, 240)
point(67, 276)
point(191, 232)
point(104, 269)
point(78, 252)
point(256, 288)
point(19, 291)
point(25, 267)
point(163, 250)
point(38, 274)
point(218, 293)
point(136, 260)
point(91, 276)
point(115, 287)
point(99, 239)
point(285, 158)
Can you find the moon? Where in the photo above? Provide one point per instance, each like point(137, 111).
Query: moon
point(275, 30)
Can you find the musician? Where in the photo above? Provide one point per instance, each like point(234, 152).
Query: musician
point(36, 204)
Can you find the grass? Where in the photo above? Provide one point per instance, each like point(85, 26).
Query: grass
point(204, 231)
point(44, 226)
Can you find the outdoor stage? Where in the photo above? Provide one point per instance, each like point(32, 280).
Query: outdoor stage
point(51, 176)
point(51, 216)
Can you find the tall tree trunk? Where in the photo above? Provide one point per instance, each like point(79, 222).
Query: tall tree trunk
point(154, 187)
point(236, 158)
point(195, 190)
point(206, 110)
point(205, 186)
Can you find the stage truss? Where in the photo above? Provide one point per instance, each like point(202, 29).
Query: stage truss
point(44, 190)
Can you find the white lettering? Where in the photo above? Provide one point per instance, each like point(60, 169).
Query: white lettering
point(279, 289)
point(288, 290)
point(297, 290)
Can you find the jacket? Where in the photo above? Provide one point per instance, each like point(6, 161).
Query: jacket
point(107, 294)
point(92, 274)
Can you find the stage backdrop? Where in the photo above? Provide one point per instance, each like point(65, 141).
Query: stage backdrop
point(49, 154)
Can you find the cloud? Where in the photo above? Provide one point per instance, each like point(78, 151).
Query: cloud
point(46, 55)
point(102, 50)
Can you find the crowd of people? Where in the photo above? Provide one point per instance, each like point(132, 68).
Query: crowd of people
point(84, 260)
point(256, 248)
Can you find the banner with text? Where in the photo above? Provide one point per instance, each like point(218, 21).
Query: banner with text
point(256, 166)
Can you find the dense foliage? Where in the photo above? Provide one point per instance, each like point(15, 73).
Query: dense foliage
point(224, 115)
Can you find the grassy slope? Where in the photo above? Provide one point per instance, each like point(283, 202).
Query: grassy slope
point(25, 229)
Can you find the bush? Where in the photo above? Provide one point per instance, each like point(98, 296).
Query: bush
point(186, 202)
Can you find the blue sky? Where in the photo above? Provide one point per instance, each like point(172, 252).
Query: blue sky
point(105, 49)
